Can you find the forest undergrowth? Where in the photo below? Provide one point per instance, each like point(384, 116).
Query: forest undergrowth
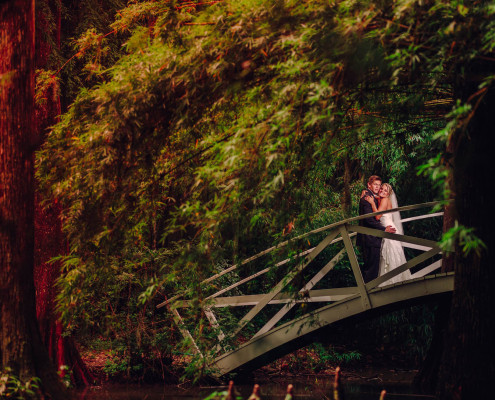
point(393, 345)
point(207, 132)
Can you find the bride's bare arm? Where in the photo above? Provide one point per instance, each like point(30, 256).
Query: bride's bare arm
point(384, 205)
point(384, 202)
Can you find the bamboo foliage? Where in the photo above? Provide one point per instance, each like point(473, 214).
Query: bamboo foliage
point(226, 127)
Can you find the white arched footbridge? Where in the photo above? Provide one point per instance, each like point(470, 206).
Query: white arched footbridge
point(304, 294)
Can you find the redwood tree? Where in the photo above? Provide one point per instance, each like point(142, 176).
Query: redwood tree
point(20, 342)
point(49, 238)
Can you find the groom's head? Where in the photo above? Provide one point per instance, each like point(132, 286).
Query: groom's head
point(374, 183)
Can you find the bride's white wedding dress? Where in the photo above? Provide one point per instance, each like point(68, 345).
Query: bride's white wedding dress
point(392, 253)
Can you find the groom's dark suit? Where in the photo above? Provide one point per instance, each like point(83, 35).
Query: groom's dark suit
point(370, 245)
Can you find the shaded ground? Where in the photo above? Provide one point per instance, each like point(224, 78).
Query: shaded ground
point(383, 364)
point(96, 360)
point(372, 368)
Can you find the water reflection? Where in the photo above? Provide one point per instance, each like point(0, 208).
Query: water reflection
point(305, 390)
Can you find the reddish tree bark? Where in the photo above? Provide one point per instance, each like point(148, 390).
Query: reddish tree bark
point(49, 239)
point(20, 342)
point(50, 242)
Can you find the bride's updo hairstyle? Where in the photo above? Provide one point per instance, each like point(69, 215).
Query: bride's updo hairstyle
point(389, 188)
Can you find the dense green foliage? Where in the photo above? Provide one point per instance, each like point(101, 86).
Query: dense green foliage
point(226, 126)
point(13, 387)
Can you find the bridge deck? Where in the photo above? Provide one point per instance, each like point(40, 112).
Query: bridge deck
point(324, 316)
point(338, 303)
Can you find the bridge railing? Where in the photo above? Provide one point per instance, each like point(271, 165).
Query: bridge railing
point(340, 233)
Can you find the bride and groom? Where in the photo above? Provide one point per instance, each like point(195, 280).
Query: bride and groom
point(380, 256)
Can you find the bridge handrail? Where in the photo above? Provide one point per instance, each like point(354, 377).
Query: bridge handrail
point(318, 230)
point(322, 229)
point(364, 290)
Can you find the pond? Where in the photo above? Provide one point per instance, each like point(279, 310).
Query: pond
point(304, 389)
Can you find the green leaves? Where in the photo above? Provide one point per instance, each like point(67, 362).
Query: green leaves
point(463, 237)
point(47, 85)
point(13, 387)
point(226, 127)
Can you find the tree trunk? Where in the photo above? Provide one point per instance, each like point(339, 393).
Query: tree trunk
point(20, 342)
point(49, 239)
point(468, 364)
point(50, 242)
point(426, 379)
point(346, 196)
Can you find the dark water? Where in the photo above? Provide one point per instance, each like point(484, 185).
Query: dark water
point(314, 389)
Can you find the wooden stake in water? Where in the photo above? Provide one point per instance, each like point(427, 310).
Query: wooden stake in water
point(290, 392)
point(338, 392)
point(230, 392)
point(256, 393)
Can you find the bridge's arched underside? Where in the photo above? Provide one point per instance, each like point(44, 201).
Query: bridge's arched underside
point(283, 339)
point(364, 300)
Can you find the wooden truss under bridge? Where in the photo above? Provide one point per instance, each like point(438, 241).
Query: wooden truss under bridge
point(280, 317)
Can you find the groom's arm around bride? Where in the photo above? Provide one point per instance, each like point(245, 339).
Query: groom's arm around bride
point(370, 245)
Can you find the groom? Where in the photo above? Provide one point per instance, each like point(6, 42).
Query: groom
point(370, 245)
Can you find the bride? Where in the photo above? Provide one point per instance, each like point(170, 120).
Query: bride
point(392, 253)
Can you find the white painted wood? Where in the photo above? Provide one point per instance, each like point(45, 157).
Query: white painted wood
point(438, 214)
point(309, 323)
point(393, 236)
point(322, 229)
point(185, 333)
point(268, 297)
point(313, 281)
point(415, 246)
point(281, 298)
point(264, 271)
point(401, 268)
point(427, 270)
point(345, 301)
point(259, 273)
point(214, 323)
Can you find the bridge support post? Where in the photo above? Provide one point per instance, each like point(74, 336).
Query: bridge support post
point(291, 275)
point(355, 267)
point(185, 333)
